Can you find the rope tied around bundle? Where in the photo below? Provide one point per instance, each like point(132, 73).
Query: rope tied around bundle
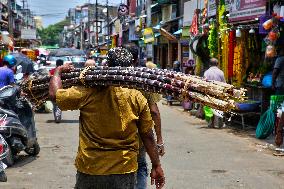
point(83, 75)
point(37, 102)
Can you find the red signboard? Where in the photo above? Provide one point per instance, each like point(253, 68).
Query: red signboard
point(246, 9)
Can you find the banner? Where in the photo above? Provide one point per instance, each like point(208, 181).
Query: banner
point(246, 9)
point(28, 33)
point(148, 35)
point(212, 7)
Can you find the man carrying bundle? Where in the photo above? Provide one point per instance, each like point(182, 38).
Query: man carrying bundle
point(152, 99)
point(110, 118)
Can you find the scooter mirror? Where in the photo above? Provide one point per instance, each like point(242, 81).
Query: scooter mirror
point(19, 69)
point(19, 76)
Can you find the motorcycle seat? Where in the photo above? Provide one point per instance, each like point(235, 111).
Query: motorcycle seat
point(9, 113)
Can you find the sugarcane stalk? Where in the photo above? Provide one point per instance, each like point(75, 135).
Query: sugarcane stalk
point(214, 94)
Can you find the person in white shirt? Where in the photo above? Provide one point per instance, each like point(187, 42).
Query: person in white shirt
point(214, 74)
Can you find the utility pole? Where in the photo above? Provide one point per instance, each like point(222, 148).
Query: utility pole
point(217, 2)
point(108, 26)
point(89, 23)
point(82, 35)
point(149, 23)
point(97, 29)
point(10, 18)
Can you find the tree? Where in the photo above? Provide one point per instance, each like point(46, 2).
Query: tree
point(50, 35)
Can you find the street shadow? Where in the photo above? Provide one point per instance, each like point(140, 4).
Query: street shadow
point(23, 160)
point(63, 121)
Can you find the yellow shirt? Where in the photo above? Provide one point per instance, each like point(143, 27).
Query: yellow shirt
point(110, 118)
point(152, 98)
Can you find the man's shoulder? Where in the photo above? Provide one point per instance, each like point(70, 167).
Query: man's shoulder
point(129, 92)
point(6, 70)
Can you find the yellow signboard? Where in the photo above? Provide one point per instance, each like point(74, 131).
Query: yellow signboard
point(148, 35)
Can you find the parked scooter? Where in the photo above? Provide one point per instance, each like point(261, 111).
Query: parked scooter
point(17, 124)
point(3, 153)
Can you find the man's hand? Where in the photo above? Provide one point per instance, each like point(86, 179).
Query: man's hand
point(65, 68)
point(157, 177)
point(55, 82)
point(161, 148)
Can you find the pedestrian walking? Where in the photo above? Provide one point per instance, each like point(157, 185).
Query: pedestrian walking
point(57, 113)
point(152, 99)
point(110, 118)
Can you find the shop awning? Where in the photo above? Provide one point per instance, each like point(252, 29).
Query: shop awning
point(157, 34)
point(178, 32)
point(154, 5)
point(157, 27)
point(167, 35)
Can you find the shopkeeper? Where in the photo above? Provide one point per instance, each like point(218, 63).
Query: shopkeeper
point(278, 72)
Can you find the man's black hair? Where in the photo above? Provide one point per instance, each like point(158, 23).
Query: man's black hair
point(133, 49)
point(59, 62)
point(5, 63)
point(119, 56)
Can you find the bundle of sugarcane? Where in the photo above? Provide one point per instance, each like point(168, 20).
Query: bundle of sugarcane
point(211, 93)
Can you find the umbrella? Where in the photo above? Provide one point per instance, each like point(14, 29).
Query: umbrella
point(67, 52)
point(26, 63)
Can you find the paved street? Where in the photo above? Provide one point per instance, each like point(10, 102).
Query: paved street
point(196, 157)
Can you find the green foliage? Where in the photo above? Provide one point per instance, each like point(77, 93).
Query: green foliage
point(50, 35)
point(213, 41)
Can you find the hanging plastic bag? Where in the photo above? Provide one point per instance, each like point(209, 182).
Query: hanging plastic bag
point(268, 24)
point(270, 51)
point(267, 80)
point(208, 113)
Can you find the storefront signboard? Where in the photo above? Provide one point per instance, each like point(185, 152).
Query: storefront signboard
point(212, 7)
point(148, 35)
point(28, 33)
point(246, 9)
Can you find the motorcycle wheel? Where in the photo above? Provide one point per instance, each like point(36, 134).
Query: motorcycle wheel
point(33, 151)
point(9, 159)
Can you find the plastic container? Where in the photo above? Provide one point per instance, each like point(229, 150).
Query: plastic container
point(248, 106)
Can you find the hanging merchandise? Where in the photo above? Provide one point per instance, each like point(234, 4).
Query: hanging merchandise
point(194, 26)
point(224, 35)
point(272, 25)
point(213, 41)
point(231, 54)
point(262, 20)
point(270, 51)
point(273, 35)
point(204, 13)
point(238, 60)
point(268, 24)
point(123, 11)
point(225, 54)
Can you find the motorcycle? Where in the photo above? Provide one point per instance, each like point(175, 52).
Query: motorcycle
point(3, 154)
point(17, 124)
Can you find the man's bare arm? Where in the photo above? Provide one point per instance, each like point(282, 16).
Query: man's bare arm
point(55, 84)
point(157, 174)
point(155, 113)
